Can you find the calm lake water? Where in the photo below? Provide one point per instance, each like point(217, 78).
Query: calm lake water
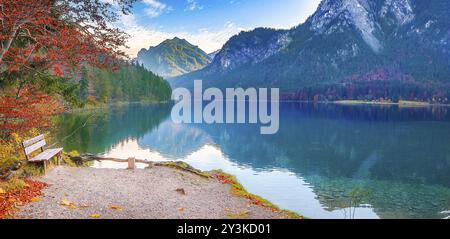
point(327, 161)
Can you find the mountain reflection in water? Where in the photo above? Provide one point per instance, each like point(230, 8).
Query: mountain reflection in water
point(388, 162)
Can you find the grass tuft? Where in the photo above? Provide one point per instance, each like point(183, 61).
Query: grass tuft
point(238, 190)
point(183, 167)
point(13, 184)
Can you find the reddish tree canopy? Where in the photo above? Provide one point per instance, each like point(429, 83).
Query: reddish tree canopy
point(28, 110)
point(40, 35)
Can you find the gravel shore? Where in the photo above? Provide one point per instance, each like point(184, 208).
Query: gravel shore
point(155, 193)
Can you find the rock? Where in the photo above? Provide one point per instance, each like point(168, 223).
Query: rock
point(16, 166)
point(11, 170)
point(181, 191)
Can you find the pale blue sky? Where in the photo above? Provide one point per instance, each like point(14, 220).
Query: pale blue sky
point(209, 23)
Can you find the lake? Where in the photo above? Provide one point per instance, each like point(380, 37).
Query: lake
point(327, 160)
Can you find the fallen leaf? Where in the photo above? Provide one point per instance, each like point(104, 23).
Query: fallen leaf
point(95, 216)
point(83, 205)
point(66, 202)
point(36, 199)
point(10, 200)
point(2, 191)
point(115, 207)
point(181, 209)
point(227, 209)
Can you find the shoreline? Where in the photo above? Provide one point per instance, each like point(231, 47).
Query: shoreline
point(404, 104)
point(113, 104)
point(179, 190)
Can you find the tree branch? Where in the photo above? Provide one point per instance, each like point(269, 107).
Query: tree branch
point(7, 44)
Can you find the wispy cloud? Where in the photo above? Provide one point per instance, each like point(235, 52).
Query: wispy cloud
point(154, 8)
point(209, 36)
point(193, 5)
point(208, 40)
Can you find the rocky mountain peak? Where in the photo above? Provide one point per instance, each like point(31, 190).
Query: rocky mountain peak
point(332, 15)
point(402, 10)
point(363, 15)
point(173, 57)
point(251, 48)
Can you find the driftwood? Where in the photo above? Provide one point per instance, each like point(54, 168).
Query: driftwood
point(132, 161)
point(91, 157)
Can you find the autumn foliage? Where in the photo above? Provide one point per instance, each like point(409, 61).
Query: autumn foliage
point(12, 199)
point(28, 110)
point(46, 34)
point(51, 37)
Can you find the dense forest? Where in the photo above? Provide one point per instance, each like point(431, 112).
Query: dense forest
point(130, 82)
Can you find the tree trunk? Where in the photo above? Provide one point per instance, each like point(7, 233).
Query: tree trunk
point(7, 44)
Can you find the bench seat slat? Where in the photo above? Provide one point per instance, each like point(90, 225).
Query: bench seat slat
point(46, 155)
point(35, 147)
point(32, 141)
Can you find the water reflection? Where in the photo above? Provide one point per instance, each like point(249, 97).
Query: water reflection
point(319, 163)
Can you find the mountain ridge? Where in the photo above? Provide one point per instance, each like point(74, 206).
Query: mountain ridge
point(173, 57)
point(369, 47)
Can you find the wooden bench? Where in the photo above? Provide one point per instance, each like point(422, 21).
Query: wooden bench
point(31, 145)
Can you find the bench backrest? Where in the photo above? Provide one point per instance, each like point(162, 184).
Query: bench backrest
point(34, 144)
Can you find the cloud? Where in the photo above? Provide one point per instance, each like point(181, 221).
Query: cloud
point(193, 5)
point(208, 40)
point(155, 8)
point(211, 40)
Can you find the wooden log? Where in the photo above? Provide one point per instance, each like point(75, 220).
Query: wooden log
point(132, 163)
point(90, 157)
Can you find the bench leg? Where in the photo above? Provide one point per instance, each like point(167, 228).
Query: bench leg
point(45, 166)
point(58, 159)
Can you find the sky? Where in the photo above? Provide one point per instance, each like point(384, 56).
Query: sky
point(208, 23)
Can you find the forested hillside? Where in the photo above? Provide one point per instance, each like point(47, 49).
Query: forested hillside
point(130, 82)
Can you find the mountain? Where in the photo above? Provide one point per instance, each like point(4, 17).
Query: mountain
point(348, 49)
point(213, 54)
point(173, 57)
